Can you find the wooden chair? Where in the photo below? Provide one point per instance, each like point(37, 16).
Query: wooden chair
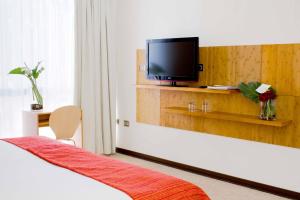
point(64, 122)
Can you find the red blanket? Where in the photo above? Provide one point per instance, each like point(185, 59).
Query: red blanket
point(137, 182)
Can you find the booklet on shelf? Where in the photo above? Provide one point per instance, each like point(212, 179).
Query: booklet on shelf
point(222, 87)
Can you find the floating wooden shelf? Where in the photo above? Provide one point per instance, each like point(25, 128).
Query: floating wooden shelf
point(43, 123)
point(187, 89)
point(227, 117)
point(43, 119)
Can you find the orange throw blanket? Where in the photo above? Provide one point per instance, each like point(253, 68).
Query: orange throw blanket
point(139, 183)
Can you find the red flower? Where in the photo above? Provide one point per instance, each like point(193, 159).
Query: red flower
point(267, 96)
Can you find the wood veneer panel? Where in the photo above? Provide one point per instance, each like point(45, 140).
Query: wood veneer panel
point(173, 98)
point(296, 72)
point(206, 76)
point(148, 102)
point(229, 65)
point(278, 65)
point(206, 57)
point(295, 135)
point(247, 63)
point(223, 65)
point(148, 106)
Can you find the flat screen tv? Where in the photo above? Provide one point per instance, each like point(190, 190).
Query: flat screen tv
point(172, 59)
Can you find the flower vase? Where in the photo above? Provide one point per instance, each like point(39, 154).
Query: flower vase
point(267, 110)
point(37, 97)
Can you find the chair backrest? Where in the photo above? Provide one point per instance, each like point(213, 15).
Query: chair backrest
point(64, 121)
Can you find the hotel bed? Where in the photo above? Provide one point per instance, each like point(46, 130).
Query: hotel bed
point(39, 168)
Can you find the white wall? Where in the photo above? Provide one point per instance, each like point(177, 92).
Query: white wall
point(215, 22)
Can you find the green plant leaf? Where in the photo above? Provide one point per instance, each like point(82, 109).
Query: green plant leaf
point(35, 73)
point(249, 90)
point(18, 70)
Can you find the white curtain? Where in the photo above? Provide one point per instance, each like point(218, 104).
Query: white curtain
point(32, 31)
point(94, 82)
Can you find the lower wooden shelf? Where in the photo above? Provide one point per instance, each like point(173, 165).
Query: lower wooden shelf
point(43, 123)
point(43, 119)
point(250, 119)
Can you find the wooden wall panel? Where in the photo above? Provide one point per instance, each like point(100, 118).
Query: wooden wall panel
point(223, 70)
point(206, 76)
point(296, 72)
point(296, 124)
point(247, 64)
point(148, 106)
point(278, 65)
point(206, 57)
point(229, 65)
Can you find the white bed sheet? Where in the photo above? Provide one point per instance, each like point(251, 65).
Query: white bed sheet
point(24, 176)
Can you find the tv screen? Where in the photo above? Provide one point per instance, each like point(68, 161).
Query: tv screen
point(174, 59)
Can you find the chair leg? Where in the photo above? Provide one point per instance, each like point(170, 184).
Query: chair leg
point(73, 142)
point(70, 139)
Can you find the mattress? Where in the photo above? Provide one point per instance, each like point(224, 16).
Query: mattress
point(42, 168)
point(24, 176)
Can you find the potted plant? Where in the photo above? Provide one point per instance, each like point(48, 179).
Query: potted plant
point(32, 74)
point(263, 94)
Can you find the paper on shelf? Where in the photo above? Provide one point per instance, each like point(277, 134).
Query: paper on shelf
point(263, 88)
point(222, 87)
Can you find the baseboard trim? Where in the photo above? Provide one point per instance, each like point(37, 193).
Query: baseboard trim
point(231, 179)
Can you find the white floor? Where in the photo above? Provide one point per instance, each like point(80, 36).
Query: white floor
point(217, 190)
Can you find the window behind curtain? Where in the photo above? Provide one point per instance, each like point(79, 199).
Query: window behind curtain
point(32, 31)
